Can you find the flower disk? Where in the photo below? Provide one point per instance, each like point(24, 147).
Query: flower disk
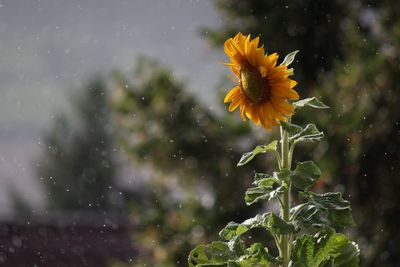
point(263, 88)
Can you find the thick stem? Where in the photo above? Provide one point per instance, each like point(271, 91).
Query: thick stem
point(285, 245)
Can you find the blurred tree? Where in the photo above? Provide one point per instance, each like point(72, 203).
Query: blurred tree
point(20, 206)
point(194, 183)
point(77, 166)
point(349, 54)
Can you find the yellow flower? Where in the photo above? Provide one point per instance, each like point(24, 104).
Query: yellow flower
point(263, 88)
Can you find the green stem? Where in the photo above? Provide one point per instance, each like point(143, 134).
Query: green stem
point(285, 245)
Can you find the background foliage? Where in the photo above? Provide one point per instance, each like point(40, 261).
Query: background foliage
point(349, 56)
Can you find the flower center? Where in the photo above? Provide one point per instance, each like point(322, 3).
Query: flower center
point(253, 85)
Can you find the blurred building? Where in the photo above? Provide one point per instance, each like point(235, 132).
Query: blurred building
point(66, 240)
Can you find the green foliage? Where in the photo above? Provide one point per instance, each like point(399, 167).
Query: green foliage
point(310, 102)
point(289, 58)
point(230, 254)
point(324, 209)
point(319, 211)
point(268, 221)
point(324, 249)
point(247, 157)
point(264, 190)
point(310, 133)
point(189, 150)
point(305, 175)
point(217, 253)
point(349, 54)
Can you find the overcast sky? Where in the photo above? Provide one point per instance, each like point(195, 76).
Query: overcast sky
point(49, 47)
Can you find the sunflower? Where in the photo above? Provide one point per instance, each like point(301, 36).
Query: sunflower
point(263, 88)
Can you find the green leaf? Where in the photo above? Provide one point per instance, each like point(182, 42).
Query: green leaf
point(292, 129)
point(257, 256)
point(278, 226)
point(326, 247)
point(259, 149)
point(297, 134)
point(309, 215)
point(264, 179)
point(266, 182)
point(305, 175)
point(325, 209)
point(289, 58)
point(349, 256)
point(232, 230)
point(268, 221)
point(338, 209)
point(217, 253)
point(309, 134)
point(230, 254)
point(256, 194)
point(265, 186)
point(259, 176)
point(282, 175)
point(310, 102)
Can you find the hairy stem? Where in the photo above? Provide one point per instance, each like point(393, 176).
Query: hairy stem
point(285, 245)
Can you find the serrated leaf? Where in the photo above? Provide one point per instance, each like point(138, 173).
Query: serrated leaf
point(289, 58)
point(339, 211)
point(278, 226)
point(305, 175)
point(256, 194)
point(326, 247)
point(246, 157)
point(325, 209)
point(349, 256)
point(310, 102)
point(309, 134)
point(267, 187)
point(268, 221)
point(232, 230)
point(308, 215)
point(217, 253)
point(257, 256)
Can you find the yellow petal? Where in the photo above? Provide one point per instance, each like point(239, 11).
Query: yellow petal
point(233, 105)
point(231, 93)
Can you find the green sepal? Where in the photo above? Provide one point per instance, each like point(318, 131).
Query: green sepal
point(324, 210)
point(309, 134)
point(268, 221)
point(310, 102)
point(326, 248)
point(305, 175)
point(289, 58)
point(248, 156)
